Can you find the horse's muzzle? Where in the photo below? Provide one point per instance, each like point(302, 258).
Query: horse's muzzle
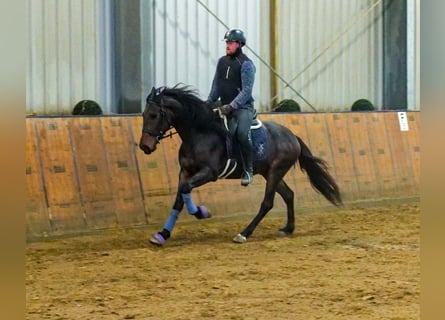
point(147, 143)
point(145, 148)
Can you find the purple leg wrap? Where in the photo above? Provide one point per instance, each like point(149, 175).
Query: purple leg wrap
point(202, 213)
point(158, 239)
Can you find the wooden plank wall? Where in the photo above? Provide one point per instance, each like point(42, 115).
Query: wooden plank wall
point(87, 173)
point(66, 212)
point(93, 173)
point(37, 213)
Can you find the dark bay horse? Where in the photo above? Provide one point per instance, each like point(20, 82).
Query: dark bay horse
point(204, 157)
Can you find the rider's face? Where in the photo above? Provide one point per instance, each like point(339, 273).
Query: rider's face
point(231, 47)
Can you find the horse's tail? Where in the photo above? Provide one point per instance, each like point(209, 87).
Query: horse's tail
point(317, 170)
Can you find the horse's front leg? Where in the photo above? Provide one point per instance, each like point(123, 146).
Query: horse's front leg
point(183, 196)
point(189, 182)
point(161, 237)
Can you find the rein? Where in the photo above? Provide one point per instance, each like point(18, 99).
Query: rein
point(161, 135)
point(166, 136)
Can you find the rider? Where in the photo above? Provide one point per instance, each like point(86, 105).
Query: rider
point(233, 84)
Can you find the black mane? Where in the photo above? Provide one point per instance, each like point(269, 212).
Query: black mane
point(197, 112)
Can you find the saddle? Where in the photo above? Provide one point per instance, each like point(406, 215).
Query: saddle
point(258, 143)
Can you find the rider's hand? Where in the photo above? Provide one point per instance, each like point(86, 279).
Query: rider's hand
point(226, 109)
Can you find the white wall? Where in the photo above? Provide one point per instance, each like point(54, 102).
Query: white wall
point(66, 55)
point(331, 48)
point(332, 52)
point(342, 33)
point(188, 39)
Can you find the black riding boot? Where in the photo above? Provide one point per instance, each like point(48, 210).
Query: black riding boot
point(247, 176)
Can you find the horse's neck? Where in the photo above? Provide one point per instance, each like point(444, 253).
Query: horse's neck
point(189, 133)
point(185, 126)
point(185, 132)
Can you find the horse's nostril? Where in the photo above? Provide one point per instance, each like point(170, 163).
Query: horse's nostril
point(145, 148)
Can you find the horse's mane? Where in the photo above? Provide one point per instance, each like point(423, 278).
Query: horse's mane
point(197, 112)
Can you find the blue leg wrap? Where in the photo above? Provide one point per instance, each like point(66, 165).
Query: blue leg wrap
point(191, 208)
point(170, 223)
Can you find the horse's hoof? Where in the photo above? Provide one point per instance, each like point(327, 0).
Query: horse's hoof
point(284, 233)
point(158, 240)
point(239, 238)
point(202, 213)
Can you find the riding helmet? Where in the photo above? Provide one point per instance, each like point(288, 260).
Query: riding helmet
point(235, 35)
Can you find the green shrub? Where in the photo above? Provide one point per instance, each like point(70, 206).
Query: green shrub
point(362, 105)
point(288, 105)
point(87, 107)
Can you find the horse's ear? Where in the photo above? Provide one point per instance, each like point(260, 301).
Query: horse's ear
point(151, 95)
point(157, 94)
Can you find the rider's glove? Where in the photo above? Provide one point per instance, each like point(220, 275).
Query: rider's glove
point(226, 109)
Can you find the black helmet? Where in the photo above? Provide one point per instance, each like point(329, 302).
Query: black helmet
point(235, 35)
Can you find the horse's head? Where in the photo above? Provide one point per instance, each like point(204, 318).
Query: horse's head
point(156, 120)
point(178, 107)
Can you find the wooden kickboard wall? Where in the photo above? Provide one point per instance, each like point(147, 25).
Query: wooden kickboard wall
point(87, 173)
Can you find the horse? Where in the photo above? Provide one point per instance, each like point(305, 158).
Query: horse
point(204, 156)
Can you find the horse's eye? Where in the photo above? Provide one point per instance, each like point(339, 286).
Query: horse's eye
point(152, 115)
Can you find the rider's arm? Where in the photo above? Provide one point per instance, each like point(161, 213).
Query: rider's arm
point(247, 80)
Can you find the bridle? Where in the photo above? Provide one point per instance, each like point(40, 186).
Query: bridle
point(160, 134)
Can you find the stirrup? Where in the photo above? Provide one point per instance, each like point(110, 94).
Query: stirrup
point(246, 178)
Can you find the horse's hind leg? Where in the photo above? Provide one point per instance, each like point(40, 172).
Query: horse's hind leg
point(288, 196)
point(265, 207)
point(272, 182)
